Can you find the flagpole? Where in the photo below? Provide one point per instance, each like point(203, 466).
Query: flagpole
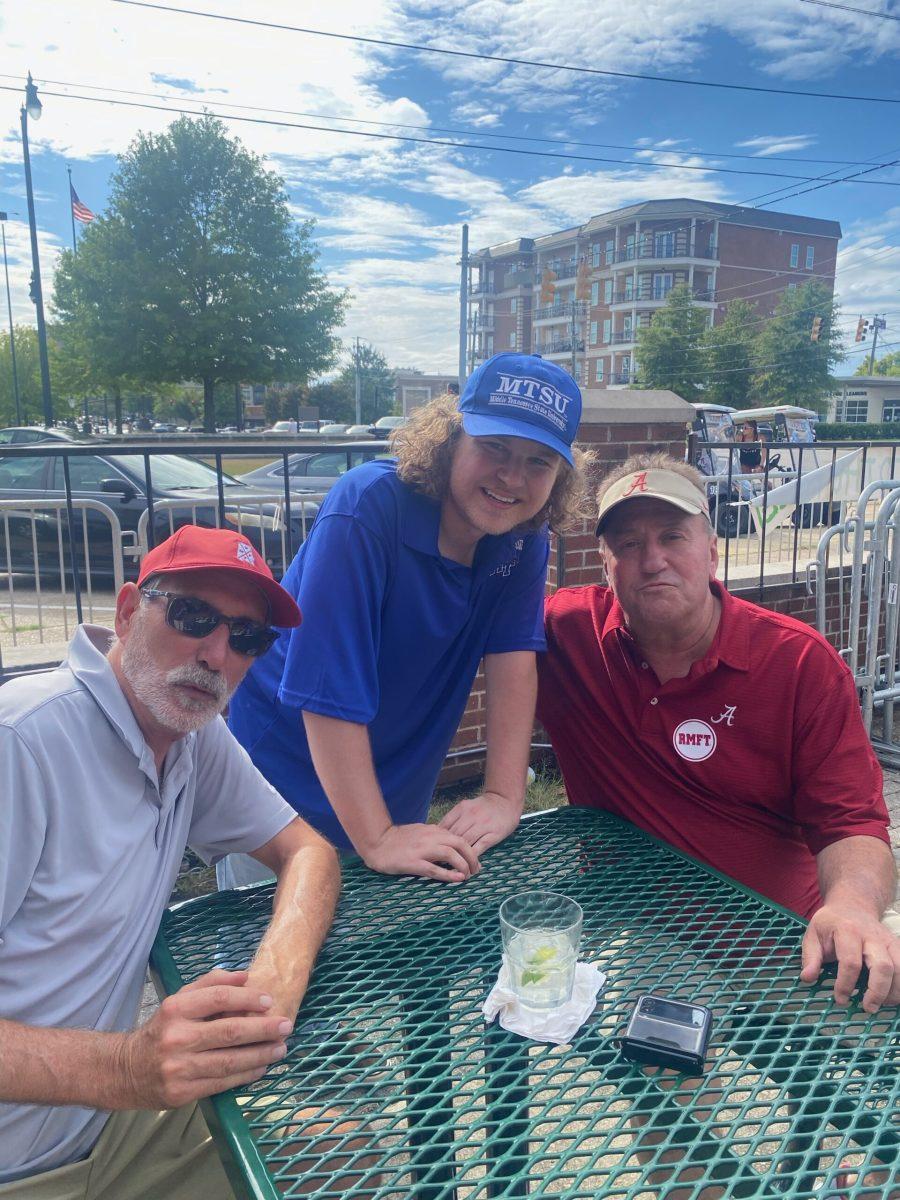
point(72, 212)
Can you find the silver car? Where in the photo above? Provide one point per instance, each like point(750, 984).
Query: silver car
point(316, 470)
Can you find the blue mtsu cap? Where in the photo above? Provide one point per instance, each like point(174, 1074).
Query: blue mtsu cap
point(522, 395)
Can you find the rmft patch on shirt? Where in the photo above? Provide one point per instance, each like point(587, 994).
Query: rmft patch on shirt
point(694, 740)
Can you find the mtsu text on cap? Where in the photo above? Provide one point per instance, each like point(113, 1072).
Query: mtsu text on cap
point(534, 396)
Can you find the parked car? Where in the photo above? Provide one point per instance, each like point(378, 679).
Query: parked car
point(385, 426)
point(20, 435)
point(317, 470)
point(333, 430)
point(118, 481)
point(360, 431)
point(294, 427)
point(165, 427)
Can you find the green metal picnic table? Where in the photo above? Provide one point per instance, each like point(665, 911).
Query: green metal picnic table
point(394, 1086)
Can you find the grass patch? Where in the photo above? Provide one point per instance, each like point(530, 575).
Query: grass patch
point(547, 791)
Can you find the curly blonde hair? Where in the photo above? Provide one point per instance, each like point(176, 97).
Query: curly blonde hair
point(425, 447)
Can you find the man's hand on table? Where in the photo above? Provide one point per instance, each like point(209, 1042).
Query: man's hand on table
point(213, 1034)
point(426, 850)
point(854, 938)
point(484, 820)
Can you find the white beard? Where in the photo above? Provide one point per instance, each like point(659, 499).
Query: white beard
point(171, 708)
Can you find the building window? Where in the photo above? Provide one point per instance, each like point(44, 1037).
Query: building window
point(595, 254)
point(595, 293)
point(593, 333)
point(795, 255)
point(664, 245)
point(891, 412)
point(854, 412)
point(610, 250)
point(514, 306)
point(512, 340)
point(791, 285)
point(598, 370)
point(607, 331)
point(607, 291)
point(810, 257)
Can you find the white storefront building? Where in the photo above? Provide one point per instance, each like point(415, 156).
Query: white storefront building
point(862, 399)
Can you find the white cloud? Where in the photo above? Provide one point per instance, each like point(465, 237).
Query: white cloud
point(767, 144)
point(867, 267)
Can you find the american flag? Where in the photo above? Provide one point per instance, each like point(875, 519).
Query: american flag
point(80, 211)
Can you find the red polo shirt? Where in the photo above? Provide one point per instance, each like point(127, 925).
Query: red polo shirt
point(754, 762)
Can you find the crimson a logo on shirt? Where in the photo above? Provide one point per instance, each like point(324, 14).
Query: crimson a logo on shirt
point(694, 740)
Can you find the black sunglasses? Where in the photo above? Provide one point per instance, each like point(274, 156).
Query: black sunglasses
point(197, 619)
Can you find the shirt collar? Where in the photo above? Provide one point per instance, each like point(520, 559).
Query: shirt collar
point(731, 645)
point(88, 662)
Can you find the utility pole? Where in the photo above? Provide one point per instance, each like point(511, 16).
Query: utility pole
point(32, 108)
point(574, 342)
point(358, 388)
point(463, 306)
point(12, 332)
point(877, 323)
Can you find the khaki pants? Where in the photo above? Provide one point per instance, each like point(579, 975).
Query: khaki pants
point(139, 1156)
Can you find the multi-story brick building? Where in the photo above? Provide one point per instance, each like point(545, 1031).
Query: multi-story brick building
point(579, 296)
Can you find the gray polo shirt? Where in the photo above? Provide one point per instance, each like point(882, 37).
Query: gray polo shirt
point(90, 845)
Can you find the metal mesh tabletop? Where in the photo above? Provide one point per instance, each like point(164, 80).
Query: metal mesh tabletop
point(395, 1087)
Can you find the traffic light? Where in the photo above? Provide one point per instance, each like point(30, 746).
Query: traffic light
point(816, 329)
point(582, 283)
point(548, 286)
point(862, 329)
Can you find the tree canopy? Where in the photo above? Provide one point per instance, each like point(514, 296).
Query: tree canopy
point(197, 271)
point(748, 358)
point(888, 364)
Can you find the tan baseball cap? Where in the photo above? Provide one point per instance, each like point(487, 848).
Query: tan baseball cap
point(653, 485)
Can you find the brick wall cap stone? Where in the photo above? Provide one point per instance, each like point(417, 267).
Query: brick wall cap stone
point(607, 406)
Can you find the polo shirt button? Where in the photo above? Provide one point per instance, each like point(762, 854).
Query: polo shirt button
point(644, 666)
point(654, 700)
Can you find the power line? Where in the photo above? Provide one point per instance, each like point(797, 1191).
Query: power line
point(500, 58)
point(396, 137)
point(859, 12)
point(781, 158)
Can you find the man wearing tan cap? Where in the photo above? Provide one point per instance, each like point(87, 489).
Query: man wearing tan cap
point(728, 730)
point(109, 766)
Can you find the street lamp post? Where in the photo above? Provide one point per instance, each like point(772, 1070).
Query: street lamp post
point(32, 108)
point(12, 333)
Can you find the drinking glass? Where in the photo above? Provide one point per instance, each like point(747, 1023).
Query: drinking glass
point(541, 933)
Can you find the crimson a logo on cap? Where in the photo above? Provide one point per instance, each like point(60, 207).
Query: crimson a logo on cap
point(245, 553)
point(694, 740)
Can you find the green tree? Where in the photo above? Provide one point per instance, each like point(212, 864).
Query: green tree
point(28, 372)
point(730, 355)
point(670, 350)
point(889, 364)
point(336, 398)
point(197, 271)
point(791, 367)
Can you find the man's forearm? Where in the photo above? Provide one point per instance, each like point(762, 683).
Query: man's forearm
point(511, 694)
point(62, 1066)
point(342, 756)
point(309, 883)
point(858, 872)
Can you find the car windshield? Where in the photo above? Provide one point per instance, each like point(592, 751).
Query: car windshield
point(169, 471)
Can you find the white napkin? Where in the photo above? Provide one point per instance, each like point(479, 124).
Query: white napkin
point(556, 1025)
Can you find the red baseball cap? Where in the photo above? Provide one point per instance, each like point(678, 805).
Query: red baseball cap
point(195, 548)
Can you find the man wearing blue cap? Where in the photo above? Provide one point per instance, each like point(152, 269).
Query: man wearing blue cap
point(415, 570)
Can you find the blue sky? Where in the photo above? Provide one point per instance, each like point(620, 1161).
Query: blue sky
point(388, 213)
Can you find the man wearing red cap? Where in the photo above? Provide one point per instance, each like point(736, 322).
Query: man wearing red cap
point(109, 767)
point(726, 729)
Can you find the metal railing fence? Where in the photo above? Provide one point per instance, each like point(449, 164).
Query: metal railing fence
point(68, 548)
point(770, 520)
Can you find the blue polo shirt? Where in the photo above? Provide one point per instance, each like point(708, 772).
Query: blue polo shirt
point(392, 637)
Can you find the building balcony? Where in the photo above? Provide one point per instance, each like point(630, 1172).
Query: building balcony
point(561, 311)
point(619, 378)
point(666, 249)
point(655, 297)
point(563, 268)
point(519, 278)
point(484, 325)
point(623, 337)
point(559, 346)
point(481, 289)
